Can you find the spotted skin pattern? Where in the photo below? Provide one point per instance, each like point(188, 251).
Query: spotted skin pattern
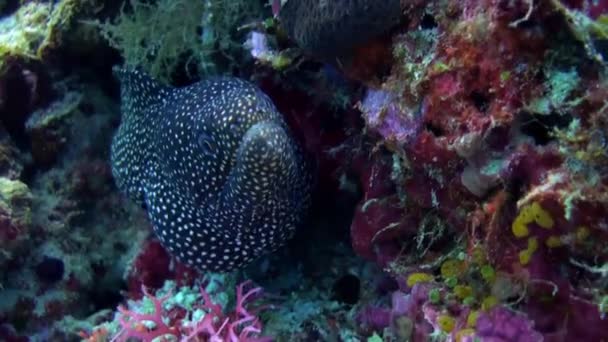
point(222, 179)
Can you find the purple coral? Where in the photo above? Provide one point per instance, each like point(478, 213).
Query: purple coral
point(258, 45)
point(405, 308)
point(501, 324)
point(384, 114)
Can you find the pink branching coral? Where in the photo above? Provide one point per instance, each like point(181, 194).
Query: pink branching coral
point(133, 325)
point(239, 325)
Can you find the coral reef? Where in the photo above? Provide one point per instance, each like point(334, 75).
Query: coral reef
point(47, 129)
point(190, 316)
point(480, 112)
point(15, 218)
point(461, 181)
point(36, 31)
point(11, 158)
point(58, 256)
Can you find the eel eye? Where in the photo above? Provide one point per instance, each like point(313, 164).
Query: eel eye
point(207, 145)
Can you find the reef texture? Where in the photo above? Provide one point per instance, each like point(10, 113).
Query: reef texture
point(493, 189)
point(462, 171)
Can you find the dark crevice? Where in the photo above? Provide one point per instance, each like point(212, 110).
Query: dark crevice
point(9, 7)
point(537, 131)
point(105, 299)
point(428, 22)
point(480, 101)
point(437, 131)
point(539, 127)
point(601, 46)
point(346, 289)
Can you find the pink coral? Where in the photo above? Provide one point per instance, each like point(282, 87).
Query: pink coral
point(133, 325)
point(240, 325)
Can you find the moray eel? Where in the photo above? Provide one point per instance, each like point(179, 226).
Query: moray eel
point(222, 179)
point(330, 29)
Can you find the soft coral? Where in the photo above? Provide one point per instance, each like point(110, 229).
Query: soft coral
point(133, 325)
point(239, 325)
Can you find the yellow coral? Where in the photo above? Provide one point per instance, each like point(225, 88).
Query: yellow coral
point(419, 277)
point(478, 255)
point(532, 244)
point(463, 291)
point(519, 228)
point(488, 303)
point(526, 255)
point(446, 323)
point(452, 268)
point(472, 318)
point(553, 242)
point(528, 214)
point(542, 217)
point(22, 32)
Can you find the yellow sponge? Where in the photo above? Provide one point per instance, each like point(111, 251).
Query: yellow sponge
point(553, 241)
point(419, 277)
point(446, 323)
point(472, 318)
point(528, 214)
point(519, 228)
point(526, 255)
point(452, 268)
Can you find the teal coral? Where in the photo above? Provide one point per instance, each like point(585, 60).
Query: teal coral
point(299, 310)
point(559, 88)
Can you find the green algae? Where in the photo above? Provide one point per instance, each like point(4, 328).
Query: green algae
point(162, 36)
point(15, 197)
point(22, 33)
point(154, 36)
point(37, 27)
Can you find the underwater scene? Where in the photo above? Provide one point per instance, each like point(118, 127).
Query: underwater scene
point(303, 170)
